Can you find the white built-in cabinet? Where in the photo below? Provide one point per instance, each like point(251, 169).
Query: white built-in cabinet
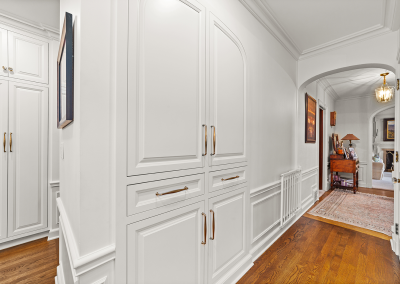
point(186, 144)
point(24, 99)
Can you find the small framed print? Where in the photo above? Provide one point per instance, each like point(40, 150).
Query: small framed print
point(65, 75)
point(388, 129)
point(311, 122)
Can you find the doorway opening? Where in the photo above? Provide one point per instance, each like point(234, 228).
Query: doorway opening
point(321, 148)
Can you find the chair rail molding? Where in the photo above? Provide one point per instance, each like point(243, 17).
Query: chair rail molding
point(264, 14)
point(82, 264)
point(309, 173)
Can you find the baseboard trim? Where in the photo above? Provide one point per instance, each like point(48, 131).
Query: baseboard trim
point(53, 234)
point(59, 279)
point(237, 271)
point(23, 240)
point(259, 249)
point(82, 264)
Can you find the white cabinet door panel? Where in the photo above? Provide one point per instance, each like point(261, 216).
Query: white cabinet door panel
point(3, 53)
point(27, 171)
point(167, 248)
point(228, 245)
point(166, 85)
point(28, 57)
point(228, 94)
point(3, 155)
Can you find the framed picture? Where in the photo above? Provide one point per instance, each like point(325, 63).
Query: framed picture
point(65, 75)
point(311, 122)
point(388, 129)
point(335, 142)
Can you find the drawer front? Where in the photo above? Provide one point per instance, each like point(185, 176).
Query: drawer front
point(226, 178)
point(151, 195)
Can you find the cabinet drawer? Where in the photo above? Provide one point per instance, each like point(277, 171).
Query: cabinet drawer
point(226, 178)
point(151, 195)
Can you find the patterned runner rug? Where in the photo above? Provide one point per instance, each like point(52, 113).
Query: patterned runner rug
point(369, 211)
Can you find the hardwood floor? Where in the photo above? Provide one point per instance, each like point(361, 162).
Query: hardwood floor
point(311, 251)
point(33, 262)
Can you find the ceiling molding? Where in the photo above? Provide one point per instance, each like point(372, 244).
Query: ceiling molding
point(264, 14)
point(328, 88)
point(346, 98)
point(18, 22)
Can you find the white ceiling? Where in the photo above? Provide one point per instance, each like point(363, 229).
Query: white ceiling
point(45, 12)
point(306, 27)
point(356, 83)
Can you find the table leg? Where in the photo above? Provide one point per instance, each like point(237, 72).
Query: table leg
point(331, 178)
point(354, 182)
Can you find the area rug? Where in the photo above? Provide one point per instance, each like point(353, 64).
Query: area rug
point(369, 211)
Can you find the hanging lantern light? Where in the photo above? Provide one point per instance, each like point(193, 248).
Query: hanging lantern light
point(384, 93)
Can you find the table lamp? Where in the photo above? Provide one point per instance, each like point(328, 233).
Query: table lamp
point(350, 137)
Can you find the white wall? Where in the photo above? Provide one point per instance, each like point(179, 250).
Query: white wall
point(379, 144)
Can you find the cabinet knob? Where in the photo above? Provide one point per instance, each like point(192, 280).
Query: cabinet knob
point(9, 68)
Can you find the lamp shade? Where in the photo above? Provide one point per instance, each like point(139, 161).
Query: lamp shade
point(350, 137)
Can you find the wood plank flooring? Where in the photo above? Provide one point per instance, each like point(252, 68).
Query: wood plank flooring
point(33, 262)
point(311, 251)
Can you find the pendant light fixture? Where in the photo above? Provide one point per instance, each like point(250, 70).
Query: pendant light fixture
point(384, 93)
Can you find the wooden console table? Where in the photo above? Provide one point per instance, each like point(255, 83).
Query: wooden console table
point(339, 164)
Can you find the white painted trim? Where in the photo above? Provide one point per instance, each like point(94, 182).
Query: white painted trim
point(82, 264)
point(101, 280)
point(54, 184)
point(309, 173)
point(264, 188)
point(235, 269)
point(37, 28)
point(276, 234)
point(60, 278)
point(307, 199)
point(53, 234)
point(18, 240)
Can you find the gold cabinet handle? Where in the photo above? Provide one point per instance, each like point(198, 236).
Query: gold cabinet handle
point(4, 68)
point(4, 142)
point(214, 141)
point(205, 139)
point(229, 178)
point(205, 229)
point(10, 142)
point(172, 191)
point(213, 225)
point(11, 70)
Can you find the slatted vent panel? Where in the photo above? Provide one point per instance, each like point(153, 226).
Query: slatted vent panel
point(290, 195)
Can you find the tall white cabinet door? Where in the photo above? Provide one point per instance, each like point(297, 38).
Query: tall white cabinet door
point(28, 58)
point(227, 95)
point(166, 85)
point(227, 243)
point(168, 248)
point(3, 53)
point(3, 155)
point(27, 171)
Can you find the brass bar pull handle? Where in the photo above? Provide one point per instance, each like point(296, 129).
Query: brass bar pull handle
point(229, 178)
point(205, 139)
point(213, 225)
point(4, 68)
point(172, 191)
point(9, 68)
point(205, 229)
point(10, 142)
point(4, 142)
point(214, 141)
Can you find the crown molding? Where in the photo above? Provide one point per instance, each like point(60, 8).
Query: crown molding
point(346, 98)
point(37, 28)
point(328, 88)
point(264, 14)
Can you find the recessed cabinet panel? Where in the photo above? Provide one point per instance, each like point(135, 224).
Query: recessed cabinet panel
point(226, 178)
point(27, 174)
point(28, 58)
point(152, 195)
point(167, 248)
point(3, 53)
point(228, 95)
point(228, 243)
point(3, 157)
point(166, 85)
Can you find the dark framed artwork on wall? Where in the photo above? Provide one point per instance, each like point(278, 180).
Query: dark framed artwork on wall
point(311, 119)
point(65, 75)
point(388, 129)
